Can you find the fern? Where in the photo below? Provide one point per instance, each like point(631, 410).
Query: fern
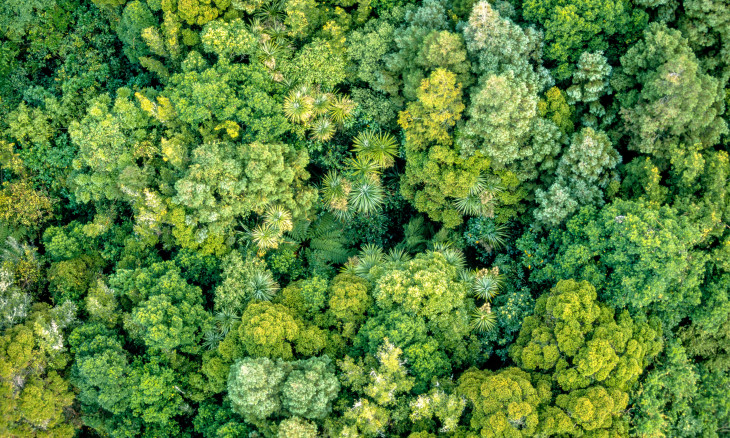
point(323, 239)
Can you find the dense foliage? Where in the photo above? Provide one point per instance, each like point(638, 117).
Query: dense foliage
point(351, 218)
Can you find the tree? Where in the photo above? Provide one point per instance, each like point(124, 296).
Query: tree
point(349, 301)
point(571, 27)
point(592, 358)
point(295, 427)
point(310, 389)
point(33, 395)
point(254, 387)
point(168, 312)
point(590, 83)
point(498, 45)
point(434, 170)
point(648, 250)
point(660, 88)
point(260, 388)
point(584, 172)
point(227, 181)
point(101, 371)
point(269, 330)
point(504, 403)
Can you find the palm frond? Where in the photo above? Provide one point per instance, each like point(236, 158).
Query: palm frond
point(262, 286)
point(341, 108)
point(211, 339)
point(483, 320)
point(397, 255)
point(366, 197)
point(225, 320)
point(298, 106)
point(279, 218)
point(265, 237)
point(322, 129)
point(379, 147)
point(486, 287)
point(455, 258)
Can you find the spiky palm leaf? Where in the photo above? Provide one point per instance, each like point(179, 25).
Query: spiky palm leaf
point(486, 287)
point(493, 235)
point(211, 339)
point(321, 103)
point(378, 146)
point(298, 106)
point(265, 237)
point(366, 197)
point(278, 217)
point(323, 129)
point(341, 108)
point(470, 205)
point(272, 11)
point(262, 286)
point(467, 276)
point(455, 258)
point(414, 232)
point(397, 255)
point(483, 320)
point(370, 256)
point(225, 320)
point(335, 192)
point(364, 167)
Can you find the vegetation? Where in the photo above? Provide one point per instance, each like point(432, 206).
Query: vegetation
point(350, 218)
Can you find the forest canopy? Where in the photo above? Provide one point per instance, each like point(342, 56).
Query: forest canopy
point(364, 218)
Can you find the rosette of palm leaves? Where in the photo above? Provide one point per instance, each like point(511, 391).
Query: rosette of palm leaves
point(492, 235)
point(262, 286)
point(454, 257)
point(225, 320)
point(323, 129)
point(366, 196)
point(211, 339)
point(378, 146)
point(265, 237)
point(298, 105)
point(335, 192)
point(397, 255)
point(479, 201)
point(482, 319)
point(341, 108)
point(486, 286)
point(321, 103)
point(370, 256)
point(364, 167)
point(279, 218)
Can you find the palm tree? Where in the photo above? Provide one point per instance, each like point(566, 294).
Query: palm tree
point(367, 196)
point(378, 146)
point(341, 108)
point(262, 286)
point(279, 218)
point(482, 319)
point(479, 200)
point(486, 286)
point(335, 192)
point(298, 105)
point(265, 237)
point(323, 129)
